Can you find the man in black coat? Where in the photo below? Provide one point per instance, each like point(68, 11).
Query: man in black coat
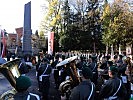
point(56, 71)
point(44, 72)
point(113, 89)
point(22, 85)
point(8, 55)
point(86, 89)
point(93, 66)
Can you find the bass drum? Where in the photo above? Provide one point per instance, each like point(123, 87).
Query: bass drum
point(65, 88)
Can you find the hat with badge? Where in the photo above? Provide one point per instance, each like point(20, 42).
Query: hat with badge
point(113, 69)
point(45, 60)
point(87, 73)
point(23, 83)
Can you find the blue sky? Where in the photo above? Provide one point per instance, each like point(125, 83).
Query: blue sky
point(12, 14)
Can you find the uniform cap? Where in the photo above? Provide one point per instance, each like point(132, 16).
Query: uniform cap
point(113, 69)
point(45, 60)
point(23, 82)
point(87, 73)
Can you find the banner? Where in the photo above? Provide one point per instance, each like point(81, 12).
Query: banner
point(3, 54)
point(50, 43)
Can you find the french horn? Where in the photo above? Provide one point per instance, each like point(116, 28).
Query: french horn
point(11, 72)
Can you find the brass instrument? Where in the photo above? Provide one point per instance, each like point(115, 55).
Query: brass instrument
point(67, 85)
point(11, 72)
point(73, 80)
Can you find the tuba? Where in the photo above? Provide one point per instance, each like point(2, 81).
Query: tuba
point(11, 72)
point(73, 80)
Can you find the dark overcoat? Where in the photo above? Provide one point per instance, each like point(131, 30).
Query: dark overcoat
point(82, 91)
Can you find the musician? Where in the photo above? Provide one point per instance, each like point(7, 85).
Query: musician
point(56, 71)
point(109, 63)
point(71, 71)
point(23, 68)
point(61, 71)
point(81, 63)
point(86, 89)
point(44, 72)
point(120, 61)
point(124, 74)
point(40, 58)
point(8, 55)
point(113, 89)
point(115, 60)
point(93, 66)
point(22, 85)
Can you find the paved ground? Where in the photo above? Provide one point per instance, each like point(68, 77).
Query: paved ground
point(4, 84)
point(53, 93)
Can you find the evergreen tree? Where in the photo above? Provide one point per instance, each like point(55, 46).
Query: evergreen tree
point(93, 23)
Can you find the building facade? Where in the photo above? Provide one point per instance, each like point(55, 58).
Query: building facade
point(11, 42)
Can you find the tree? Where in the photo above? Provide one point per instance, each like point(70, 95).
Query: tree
point(78, 20)
point(120, 24)
point(94, 26)
point(106, 19)
point(116, 24)
point(52, 18)
point(78, 25)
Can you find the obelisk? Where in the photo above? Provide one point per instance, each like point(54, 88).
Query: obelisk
point(27, 32)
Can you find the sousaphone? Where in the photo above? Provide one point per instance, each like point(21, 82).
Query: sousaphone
point(11, 72)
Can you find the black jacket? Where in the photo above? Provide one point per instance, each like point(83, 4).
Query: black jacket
point(24, 95)
point(110, 87)
point(82, 91)
point(42, 68)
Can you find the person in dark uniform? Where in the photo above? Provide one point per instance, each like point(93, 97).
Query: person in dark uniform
point(23, 68)
point(93, 66)
point(8, 55)
point(70, 72)
point(61, 71)
point(86, 89)
point(113, 89)
point(108, 64)
point(40, 57)
point(22, 85)
point(56, 71)
point(13, 55)
point(81, 63)
point(44, 72)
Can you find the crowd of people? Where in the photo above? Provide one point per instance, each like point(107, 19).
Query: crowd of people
point(93, 77)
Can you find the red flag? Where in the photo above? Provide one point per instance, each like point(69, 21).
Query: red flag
point(4, 45)
point(50, 43)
